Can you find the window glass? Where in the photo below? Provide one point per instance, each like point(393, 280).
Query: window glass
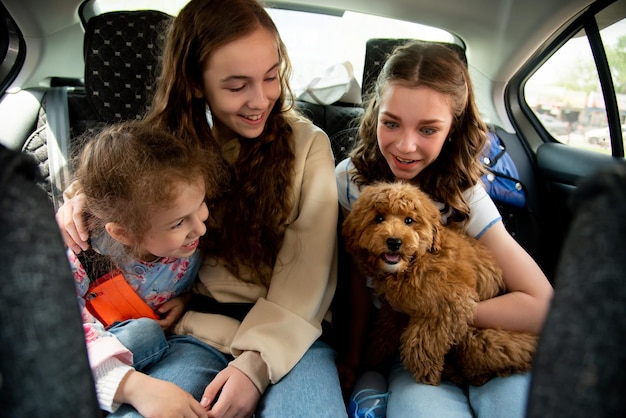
point(315, 41)
point(565, 92)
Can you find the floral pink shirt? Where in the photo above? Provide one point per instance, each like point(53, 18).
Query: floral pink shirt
point(155, 282)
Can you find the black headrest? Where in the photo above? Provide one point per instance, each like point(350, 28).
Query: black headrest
point(377, 50)
point(122, 56)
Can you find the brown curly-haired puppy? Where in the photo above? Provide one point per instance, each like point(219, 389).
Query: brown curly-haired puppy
point(429, 279)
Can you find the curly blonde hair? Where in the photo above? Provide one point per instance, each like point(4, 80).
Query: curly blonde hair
point(251, 216)
point(457, 167)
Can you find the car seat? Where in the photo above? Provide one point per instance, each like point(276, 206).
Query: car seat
point(122, 53)
point(377, 50)
point(44, 368)
point(122, 56)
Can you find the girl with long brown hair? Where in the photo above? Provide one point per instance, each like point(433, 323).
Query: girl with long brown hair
point(422, 125)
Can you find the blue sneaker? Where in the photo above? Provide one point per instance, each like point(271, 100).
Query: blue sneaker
point(368, 403)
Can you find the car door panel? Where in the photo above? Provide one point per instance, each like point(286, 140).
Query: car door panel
point(561, 167)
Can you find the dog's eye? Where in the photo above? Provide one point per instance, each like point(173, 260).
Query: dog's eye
point(379, 219)
point(408, 221)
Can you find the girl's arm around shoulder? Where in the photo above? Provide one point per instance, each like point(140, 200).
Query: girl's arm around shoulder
point(526, 303)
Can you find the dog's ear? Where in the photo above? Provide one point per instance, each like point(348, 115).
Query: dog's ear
point(357, 220)
point(437, 233)
point(350, 231)
point(347, 231)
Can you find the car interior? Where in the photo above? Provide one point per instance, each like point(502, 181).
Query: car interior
point(45, 114)
point(116, 85)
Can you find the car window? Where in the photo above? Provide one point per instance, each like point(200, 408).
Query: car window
point(316, 40)
point(565, 94)
point(11, 49)
point(312, 50)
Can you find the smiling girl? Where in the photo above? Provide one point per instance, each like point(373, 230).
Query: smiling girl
point(146, 193)
point(253, 340)
point(421, 125)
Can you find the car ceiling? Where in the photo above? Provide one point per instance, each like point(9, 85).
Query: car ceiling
point(508, 31)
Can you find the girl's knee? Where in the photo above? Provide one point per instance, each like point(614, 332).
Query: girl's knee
point(137, 329)
point(501, 396)
point(144, 338)
point(409, 398)
point(147, 324)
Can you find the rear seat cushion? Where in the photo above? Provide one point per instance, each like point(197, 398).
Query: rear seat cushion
point(343, 142)
point(337, 120)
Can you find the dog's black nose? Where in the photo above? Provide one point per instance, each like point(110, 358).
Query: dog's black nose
point(394, 244)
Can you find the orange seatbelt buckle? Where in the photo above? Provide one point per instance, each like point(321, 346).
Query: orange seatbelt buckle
point(111, 299)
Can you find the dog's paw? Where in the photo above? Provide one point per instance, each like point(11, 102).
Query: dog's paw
point(429, 377)
point(425, 370)
point(487, 353)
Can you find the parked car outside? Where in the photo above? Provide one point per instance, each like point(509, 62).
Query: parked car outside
point(601, 136)
point(555, 126)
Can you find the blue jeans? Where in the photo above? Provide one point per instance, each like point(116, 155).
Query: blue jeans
point(501, 397)
point(144, 338)
point(310, 389)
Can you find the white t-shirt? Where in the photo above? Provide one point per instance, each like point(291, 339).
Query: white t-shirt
point(483, 212)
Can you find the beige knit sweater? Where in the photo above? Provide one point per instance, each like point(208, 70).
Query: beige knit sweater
point(286, 317)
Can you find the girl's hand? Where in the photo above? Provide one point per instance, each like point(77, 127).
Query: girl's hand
point(172, 310)
point(157, 398)
point(231, 395)
point(70, 218)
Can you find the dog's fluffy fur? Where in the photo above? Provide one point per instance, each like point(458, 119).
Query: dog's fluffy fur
point(429, 279)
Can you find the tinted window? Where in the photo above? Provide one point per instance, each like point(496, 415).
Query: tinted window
point(566, 93)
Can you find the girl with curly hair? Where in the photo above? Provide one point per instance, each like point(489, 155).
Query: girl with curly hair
point(421, 125)
point(252, 340)
point(146, 193)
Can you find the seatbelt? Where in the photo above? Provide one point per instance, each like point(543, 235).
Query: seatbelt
point(58, 141)
point(111, 299)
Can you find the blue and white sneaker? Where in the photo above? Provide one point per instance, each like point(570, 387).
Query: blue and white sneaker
point(368, 403)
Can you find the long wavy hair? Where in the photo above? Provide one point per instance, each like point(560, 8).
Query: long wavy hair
point(457, 167)
point(250, 218)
